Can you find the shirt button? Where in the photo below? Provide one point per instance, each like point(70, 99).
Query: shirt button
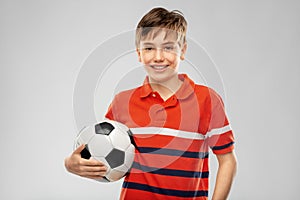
point(154, 95)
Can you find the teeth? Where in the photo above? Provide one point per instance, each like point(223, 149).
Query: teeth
point(158, 67)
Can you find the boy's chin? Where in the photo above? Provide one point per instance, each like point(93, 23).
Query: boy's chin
point(161, 77)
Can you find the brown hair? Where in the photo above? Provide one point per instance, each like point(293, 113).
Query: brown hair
point(171, 21)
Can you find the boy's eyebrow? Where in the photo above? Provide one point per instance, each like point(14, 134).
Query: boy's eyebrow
point(169, 42)
point(147, 43)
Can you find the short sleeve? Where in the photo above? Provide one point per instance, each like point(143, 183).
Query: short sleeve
point(219, 135)
point(111, 111)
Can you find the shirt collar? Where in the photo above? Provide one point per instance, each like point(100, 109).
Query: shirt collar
point(185, 90)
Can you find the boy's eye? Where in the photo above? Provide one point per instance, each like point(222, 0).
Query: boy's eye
point(169, 48)
point(148, 48)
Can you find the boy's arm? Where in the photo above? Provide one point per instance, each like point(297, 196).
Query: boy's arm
point(226, 172)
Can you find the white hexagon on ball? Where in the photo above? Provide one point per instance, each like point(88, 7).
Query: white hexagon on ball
point(100, 145)
point(120, 140)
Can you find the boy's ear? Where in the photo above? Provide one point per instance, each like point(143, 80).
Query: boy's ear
point(139, 54)
point(183, 50)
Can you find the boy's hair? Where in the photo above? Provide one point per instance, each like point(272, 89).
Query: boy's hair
point(159, 19)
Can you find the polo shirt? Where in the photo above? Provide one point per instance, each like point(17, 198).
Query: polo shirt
point(173, 139)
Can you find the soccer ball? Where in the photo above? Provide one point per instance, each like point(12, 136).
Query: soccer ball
point(108, 142)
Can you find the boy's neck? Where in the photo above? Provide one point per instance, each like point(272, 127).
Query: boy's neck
point(168, 88)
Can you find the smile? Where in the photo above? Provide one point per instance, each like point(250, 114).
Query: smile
point(159, 67)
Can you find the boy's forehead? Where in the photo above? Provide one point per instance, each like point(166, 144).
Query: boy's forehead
point(160, 35)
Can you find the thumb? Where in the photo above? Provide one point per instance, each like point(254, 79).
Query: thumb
point(79, 149)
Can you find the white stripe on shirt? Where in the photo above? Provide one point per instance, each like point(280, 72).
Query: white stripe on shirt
point(179, 133)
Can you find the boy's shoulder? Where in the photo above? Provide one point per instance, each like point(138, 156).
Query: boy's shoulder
point(204, 89)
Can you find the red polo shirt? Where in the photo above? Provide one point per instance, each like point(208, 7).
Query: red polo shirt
point(172, 139)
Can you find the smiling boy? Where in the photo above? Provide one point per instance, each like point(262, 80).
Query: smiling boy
point(174, 122)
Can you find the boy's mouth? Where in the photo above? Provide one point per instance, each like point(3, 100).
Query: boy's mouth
point(159, 67)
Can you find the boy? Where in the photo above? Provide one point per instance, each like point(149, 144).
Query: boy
point(174, 122)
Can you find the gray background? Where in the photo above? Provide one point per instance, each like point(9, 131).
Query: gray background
point(43, 45)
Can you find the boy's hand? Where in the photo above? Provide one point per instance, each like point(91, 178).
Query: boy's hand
point(86, 168)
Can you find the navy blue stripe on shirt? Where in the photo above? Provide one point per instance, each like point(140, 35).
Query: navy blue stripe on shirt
point(170, 172)
point(173, 152)
point(222, 147)
point(163, 191)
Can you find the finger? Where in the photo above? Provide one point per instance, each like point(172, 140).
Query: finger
point(79, 149)
point(92, 162)
point(94, 169)
point(94, 175)
point(89, 170)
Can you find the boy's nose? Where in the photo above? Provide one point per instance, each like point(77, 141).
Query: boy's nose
point(159, 55)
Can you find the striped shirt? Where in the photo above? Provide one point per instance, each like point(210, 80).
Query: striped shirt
point(173, 139)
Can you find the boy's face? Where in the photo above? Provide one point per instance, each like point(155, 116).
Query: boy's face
point(161, 53)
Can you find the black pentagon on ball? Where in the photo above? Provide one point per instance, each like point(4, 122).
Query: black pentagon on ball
point(104, 128)
point(115, 158)
point(85, 153)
